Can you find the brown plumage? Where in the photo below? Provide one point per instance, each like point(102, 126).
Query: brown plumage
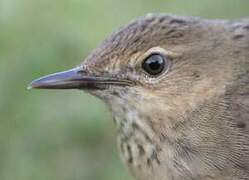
point(178, 88)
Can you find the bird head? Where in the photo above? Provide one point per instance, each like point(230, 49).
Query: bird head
point(166, 80)
point(155, 63)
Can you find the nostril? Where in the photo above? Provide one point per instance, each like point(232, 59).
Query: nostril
point(81, 70)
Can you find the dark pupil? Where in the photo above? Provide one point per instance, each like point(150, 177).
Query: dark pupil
point(154, 64)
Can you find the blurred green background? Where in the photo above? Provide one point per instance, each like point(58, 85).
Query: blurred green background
point(67, 135)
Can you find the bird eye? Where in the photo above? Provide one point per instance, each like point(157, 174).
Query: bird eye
point(154, 64)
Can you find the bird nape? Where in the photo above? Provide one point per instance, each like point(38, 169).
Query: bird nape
point(178, 88)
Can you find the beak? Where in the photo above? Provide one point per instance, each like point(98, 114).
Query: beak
point(76, 79)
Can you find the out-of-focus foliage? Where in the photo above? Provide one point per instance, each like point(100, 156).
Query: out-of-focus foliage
point(67, 135)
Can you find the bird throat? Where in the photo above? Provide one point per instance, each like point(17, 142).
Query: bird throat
point(140, 134)
point(136, 139)
point(135, 136)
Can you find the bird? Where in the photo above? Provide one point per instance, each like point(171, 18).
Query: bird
point(178, 89)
